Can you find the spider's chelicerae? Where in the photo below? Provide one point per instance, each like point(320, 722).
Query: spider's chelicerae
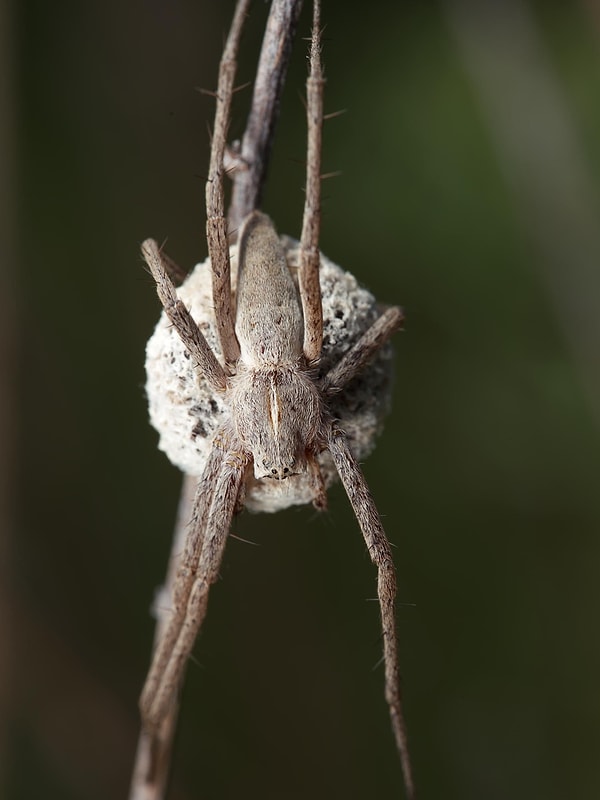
point(264, 407)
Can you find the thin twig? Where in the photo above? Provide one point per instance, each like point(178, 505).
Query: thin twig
point(260, 128)
point(153, 757)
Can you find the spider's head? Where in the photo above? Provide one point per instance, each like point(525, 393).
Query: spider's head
point(277, 415)
point(278, 468)
point(278, 454)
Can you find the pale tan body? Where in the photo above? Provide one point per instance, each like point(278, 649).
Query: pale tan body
point(278, 404)
point(276, 407)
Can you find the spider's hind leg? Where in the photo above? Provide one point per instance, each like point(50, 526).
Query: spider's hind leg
point(310, 289)
point(216, 222)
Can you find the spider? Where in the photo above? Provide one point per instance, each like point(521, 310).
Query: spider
point(272, 426)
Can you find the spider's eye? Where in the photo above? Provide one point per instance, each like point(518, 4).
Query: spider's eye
point(286, 470)
point(273, 471)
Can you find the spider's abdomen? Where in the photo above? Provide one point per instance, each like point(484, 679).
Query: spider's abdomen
point(268, 321)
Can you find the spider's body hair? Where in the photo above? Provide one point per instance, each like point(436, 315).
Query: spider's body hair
point(275, 407)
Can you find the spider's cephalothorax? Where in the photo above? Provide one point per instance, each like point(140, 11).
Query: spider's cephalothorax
point(264, 388)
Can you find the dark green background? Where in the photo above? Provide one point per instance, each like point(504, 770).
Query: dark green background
point(486, 476)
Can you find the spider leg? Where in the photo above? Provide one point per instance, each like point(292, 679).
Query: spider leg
point(184, 578)
point(174, 271)
point(310, 289)
point(190, 557)
point(363, 350)
point(381, 555)
point(159, 693)
point(189, 332)
point(216, 222)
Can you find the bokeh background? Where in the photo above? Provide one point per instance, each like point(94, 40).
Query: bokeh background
point(469, 193)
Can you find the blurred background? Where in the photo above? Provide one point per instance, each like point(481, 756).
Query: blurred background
point(469, 193)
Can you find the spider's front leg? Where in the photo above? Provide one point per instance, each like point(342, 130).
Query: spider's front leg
point(215, 505)
point(186, 573)
point(381, 555)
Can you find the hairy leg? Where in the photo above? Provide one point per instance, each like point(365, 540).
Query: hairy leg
point(216, 222)
point(189, 332)
point(381, 555)
point(223, 503)
point(174, 271)
point(310, 289)
point(185, 576)
point(365, 348)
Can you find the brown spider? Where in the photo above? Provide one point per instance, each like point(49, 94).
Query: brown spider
point(275, 415)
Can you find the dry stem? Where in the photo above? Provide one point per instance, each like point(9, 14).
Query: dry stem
point(153, 757)
point(260, 128)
